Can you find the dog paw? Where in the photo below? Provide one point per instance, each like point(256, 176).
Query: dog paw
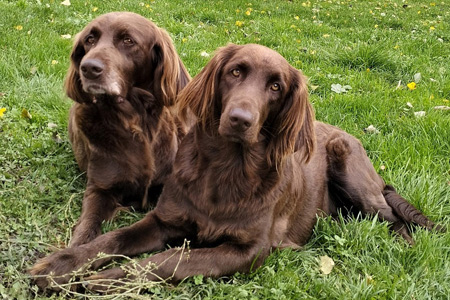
point(108, 281)
point(338, 148)
point(55, 270)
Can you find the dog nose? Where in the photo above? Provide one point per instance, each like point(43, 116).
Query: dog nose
point(92, 68)
point(240, 119)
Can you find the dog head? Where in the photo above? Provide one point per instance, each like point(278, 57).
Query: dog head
point(121, 50)
point(250, 93)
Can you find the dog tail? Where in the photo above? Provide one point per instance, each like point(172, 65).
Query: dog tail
point(406, 211)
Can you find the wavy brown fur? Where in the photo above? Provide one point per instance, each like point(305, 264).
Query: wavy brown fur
point(225, 196)
point(124, 75)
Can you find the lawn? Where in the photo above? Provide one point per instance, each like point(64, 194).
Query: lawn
point(379, 63)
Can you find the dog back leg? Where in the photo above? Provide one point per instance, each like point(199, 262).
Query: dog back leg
point(355, 186)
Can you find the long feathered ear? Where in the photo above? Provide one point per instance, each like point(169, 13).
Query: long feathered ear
point(292, 128)
point(170, 75)
point(200, 95)
point(72, 82)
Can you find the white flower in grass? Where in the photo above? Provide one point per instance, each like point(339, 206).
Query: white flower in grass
point(66, 3)
point(204, 54)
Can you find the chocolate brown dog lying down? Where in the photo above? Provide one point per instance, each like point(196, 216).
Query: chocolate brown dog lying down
point(250, 176)
point(124, 76)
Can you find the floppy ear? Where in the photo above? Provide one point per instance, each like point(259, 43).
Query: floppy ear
point(72, 82)
point(293, 125)
point(170, 75)
point(200, 95)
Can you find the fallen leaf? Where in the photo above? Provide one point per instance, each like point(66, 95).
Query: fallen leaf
point(26, 114)
point(371, 129)
point(442, 107)
point(313, 87)
point(66, 3)
point(204, 54)
point(337, 88)
point(326, 264)
point(51, 125)
point(409, 104)
point(419, 114)
point(66, 36)
point(417, 77)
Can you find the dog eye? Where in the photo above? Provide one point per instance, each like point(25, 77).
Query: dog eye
point(275, 87)
point(128, 41)
point(236, 72)
point(90, 39)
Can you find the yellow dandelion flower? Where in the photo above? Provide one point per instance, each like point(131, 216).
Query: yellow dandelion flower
point(18, 27)
point(54, 62)
point(94, 9)
point(238, 10)
point(432, 28)
point(2, 111)
point(297, 17)
point(396, 46)
point(184, 40)
point(239, 23)
point(431, 97)
point(432, 4)
point(367, 70)
point(248, 13)
point(411, 85)
point(293, 26)
point(326, 35)
point(376, 26)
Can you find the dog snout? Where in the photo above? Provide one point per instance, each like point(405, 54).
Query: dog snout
point(240, 119)
point(92, 68)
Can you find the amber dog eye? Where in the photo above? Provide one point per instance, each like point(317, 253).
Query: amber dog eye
point(236, 72)
point(275, 87)
point(128, 41)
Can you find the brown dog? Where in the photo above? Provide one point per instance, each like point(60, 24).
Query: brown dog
point(124, 76)
point(252, 175)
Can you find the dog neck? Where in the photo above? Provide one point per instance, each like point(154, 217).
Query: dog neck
point(230, 170)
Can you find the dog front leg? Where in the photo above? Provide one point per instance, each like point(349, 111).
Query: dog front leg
point(98, 206)
point(177, 264)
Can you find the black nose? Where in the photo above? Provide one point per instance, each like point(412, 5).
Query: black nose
point(240, 119)
point(92, 68)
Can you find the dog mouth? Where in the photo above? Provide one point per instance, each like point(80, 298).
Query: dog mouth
point(94, 89)
point(100, 92)
point(244, 138)
point(104, 98)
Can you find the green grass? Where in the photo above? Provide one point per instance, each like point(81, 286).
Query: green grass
point(369, 45)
